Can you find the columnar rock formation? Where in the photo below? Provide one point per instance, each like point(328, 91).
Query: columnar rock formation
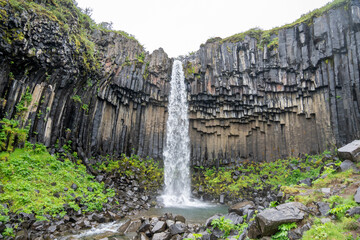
point(299, 97)
point(246, 100)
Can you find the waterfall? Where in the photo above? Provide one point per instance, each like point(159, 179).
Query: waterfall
point(177, 152)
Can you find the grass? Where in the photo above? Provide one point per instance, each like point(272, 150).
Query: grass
point(237, 181)
point(329, 230)
point(269, 37)
point(146, 170)
point(36, 182)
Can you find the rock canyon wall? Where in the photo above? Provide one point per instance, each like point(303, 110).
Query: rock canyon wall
point(247, 100)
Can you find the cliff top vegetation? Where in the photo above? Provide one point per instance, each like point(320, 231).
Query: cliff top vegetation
point(268, 37)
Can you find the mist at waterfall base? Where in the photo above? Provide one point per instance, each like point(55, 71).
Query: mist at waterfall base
point(177, 192)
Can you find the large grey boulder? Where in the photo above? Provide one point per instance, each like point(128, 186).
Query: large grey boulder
point(242, 207)
point(346, 165)
point(269, 220)
point(350, 151)
point(160, 226)
point(177, 228)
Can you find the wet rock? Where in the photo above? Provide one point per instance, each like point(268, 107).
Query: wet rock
point(123, 227)
point(145, 226)
point(143, 236)
point(239, 208)
point(160, 226)
point(161, 236)
point(222, 199)
point(270, 219)
point(177, 228)
point(98, 217)
point(179, 218)
point(133, 226)
point(169, 222)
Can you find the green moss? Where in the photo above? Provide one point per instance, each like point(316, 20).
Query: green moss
point(24, 102)
point(189, 70)
point(214, 39)
point(147, 170)
point(277, 173)
point(36, 182)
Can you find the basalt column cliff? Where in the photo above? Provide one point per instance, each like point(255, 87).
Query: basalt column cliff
point(259, 96)
point(297, 94)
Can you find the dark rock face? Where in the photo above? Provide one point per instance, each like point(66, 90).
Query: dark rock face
point(246, 101)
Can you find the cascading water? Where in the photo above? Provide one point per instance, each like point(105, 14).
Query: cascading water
point(177, 152)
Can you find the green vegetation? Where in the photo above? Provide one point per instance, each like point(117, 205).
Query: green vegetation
point(269, 37)
point(237, 181)
point(226, 226)
point(11, 135)
point(36, 182)
point(24, 102)
point(146, 170)
point(140, 58)
point(329, 230)
point(85, 107)
point(76, 98)
point(33, 181)
point(189, 70)
point(282, 234)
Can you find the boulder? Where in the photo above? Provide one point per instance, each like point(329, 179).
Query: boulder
point(270, 219)
point(177, 228)
point(144, 226)
point(254, 231)
point(306, 181)
point(133, 226)
point(350, 151)
point(323, 208)
point(179, 218)
point(297, 233)
point(160, 226)
point(123, 227)
point(352, 211)
point(234, 218)
point(239, 208)
point(222, 199)
point(346, 165)
point(161, 236)
point(143, 236)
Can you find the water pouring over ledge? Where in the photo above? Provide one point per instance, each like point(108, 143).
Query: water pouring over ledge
point(177, 192)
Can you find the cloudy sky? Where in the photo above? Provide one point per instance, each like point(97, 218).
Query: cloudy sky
point(179, 27)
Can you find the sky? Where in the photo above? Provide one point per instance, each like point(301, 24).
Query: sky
point(179, 27)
